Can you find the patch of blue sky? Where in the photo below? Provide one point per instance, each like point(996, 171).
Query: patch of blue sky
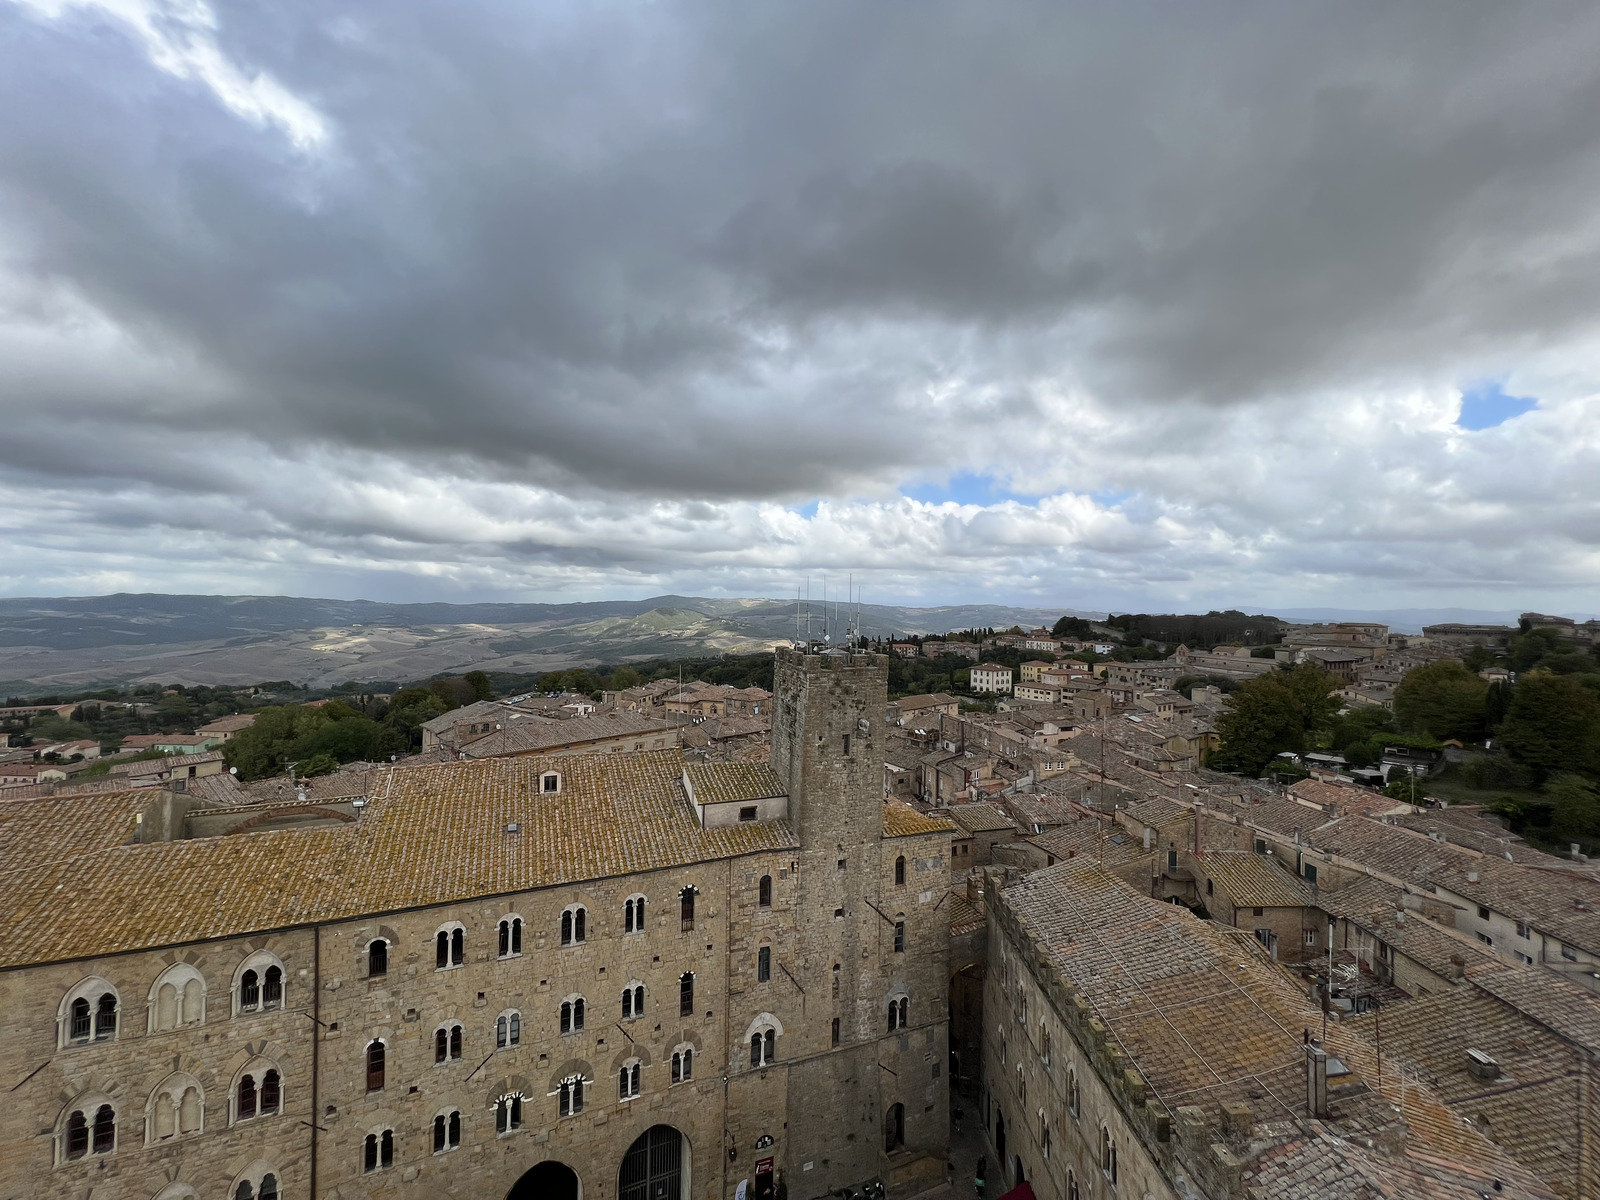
point(965, 487)
point(1485, 405)
point(806, 511)
point(1110, 498)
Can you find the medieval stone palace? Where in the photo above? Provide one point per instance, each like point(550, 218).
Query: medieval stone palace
point(591, 976)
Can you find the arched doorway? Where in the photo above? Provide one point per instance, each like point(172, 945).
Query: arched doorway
point(548, 1181)
point(655, 1167)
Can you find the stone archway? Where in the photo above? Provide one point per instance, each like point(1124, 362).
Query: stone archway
point(548, 1181)
point(656, 1166)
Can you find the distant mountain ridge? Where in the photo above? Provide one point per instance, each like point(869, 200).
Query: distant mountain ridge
point(78, 641)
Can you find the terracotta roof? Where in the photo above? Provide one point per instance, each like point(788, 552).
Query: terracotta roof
point(429, 835)
point(901, 820)
point(531, 733)
point(1252, 881)
point(1440, 950)
point(727, 783)
point(1202, 1016)
point(965, 917)
point(979, 818)
point(1531, 1108)
point(229, 724)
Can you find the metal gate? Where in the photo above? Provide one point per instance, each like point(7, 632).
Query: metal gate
point(652, 1169)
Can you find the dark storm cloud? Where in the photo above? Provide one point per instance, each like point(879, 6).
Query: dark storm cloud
point(648, 254)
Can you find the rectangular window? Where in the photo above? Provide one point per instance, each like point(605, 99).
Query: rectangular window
point(899, 937)
point(1486, 939)
point(1311, 937)
point(1483, 913)
point(1525, 959)
point(847, 745)
point(764, 964)
point(747, 813)
point(1568, 953)
point(1172, 860)
point(836, 1031)
point(1310, 873)
point(1522, 930)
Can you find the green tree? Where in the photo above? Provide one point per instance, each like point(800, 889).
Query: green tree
point(263, 749)
point(1263, 720)
point(403, 722)
point(1574, 807)
point(1553, 725)
point(1443, 700)
point(1315, 691)
point(317, 764)
point(479, 683)
point(623, 678)
point(1273, 713)
point(1072, 627)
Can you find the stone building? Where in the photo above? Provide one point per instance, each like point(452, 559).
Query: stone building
point(523, 977)
point(1134, 1050)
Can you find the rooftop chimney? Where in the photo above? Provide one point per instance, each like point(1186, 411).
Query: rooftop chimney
point(1316, 1080)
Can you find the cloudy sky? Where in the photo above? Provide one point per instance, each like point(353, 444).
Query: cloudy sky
point(1119, 306)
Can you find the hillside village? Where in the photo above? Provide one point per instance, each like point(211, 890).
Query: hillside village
point(1374, 987)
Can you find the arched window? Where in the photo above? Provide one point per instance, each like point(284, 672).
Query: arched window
point(1072, 1187)
point(686, 994)
point(835, 1034)
point(177, 1107)
point(900, 871)
point(1044, 1134)
point(88, 1013)
point(572, 1014)
point(177, 998)
point(376, 1052)
point(272, 987)
point(88, 1127)
point(835, 981)
point(508, 1113)
point(763, 1047)
point(894, 1128)
point(447, 1131)
point(633, 914)
point(1074, 1105)
point(510, 944)
point(764, 892)
point(449, 946)
point(257, 1091)
point(574, 925)
point(628, 1080)
point(897, 1012)
point(686, 909)
point(763, 964)
point(1108, 1155)
point(447, 1042)
point(377, 958)
point(249, 992)
point(899, 937)
point(508, 1029)
point(570, 1093)
point(1044, 1044)
point(683, 1064)
point(633, 1001)
point(259, 1182)
point(377, 1152)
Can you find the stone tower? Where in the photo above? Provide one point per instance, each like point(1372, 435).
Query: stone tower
point(827, 743)
point(863, 938)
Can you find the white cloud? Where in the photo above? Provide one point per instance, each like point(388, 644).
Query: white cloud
point(180, 38)
point(589, 302)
